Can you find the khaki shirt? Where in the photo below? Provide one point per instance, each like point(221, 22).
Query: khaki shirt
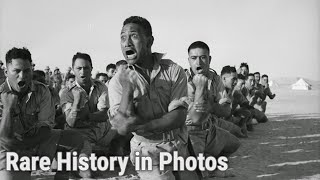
point(34, 110)
point(166, 91)
point(216, 91)
point(96, 100)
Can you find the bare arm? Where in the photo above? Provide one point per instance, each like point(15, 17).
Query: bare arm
point(172, 120)
point(6, 124)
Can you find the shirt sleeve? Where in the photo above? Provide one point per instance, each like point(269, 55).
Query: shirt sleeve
point(65, 101)
point(178, 89)
point(103, 101)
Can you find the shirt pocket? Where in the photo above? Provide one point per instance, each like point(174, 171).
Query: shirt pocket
point(30, 117)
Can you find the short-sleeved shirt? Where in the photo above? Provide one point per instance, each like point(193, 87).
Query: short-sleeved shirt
point(216, 91)
point(97, 100)
point(36, 109)
point(165, 92)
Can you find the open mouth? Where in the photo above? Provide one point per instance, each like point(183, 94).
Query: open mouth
point(131, 54)
point(21, 84)
point(199, 69)
point(83, 77)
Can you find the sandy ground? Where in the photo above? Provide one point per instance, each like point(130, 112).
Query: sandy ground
point(286, 147)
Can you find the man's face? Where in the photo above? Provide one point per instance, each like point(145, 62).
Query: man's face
point(57, 71)
point(265, 80)
point(82, 70)
point(70, 82)
point(111, 72)
point(229, 80)
point(135, 45)
point(103, 79)
point(122, 67)
point(19, 73)
point(257, 78)
point(244, 71)
point(250, 82)
point(240, 83)
point(199, 61)
point(47, 71)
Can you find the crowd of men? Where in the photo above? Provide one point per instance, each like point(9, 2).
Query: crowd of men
point(145, 103)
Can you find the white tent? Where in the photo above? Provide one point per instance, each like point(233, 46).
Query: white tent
point(301, 84)
point(273, 84)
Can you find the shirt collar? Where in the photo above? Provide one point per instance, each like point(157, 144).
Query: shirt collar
point(156, 66)
point(92, 82)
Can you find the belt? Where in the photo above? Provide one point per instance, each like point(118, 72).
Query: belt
point(156, 138)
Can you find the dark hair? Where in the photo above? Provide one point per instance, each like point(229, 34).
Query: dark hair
point(256, 73)
point(101, 74)
point(244, 65)
point(228, 70)
point(18, 53)
point(81, 56)
point(110, 66)
point(39, 75)
point(121, 62)
point(69, 76)
point(141, 22)
point(250, 74)
point(240, 76)
point(265, 76)
point(199, 44)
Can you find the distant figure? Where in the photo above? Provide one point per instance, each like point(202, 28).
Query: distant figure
point(47, 73)
point(70, 79)
point(265, 84)
point(261, 103)
point(2, 75)
point(56, 79)
point(252, 95)
point(244, 69)
point(103, 77)
point(121, 65)
point(111, 70)
point(67, 73)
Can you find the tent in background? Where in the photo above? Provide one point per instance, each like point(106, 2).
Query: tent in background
point(301, 84)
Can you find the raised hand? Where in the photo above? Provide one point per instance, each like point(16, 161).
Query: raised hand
point(9, 100)
point(200, 81)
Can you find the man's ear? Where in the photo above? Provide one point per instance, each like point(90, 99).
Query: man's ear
point(6, 71)
point(150, 41)
point(209, 60)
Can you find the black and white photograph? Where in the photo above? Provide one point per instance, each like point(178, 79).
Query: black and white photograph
point(160, 90)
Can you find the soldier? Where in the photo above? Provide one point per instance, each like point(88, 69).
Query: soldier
point(147, 99)
point(27, 116)
point(252, 95)
point(206, 100)
point(85, 105)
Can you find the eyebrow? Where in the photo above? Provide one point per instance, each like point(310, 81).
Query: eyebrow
point(129, 31)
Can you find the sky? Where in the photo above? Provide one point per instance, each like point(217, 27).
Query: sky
point(280, 38)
